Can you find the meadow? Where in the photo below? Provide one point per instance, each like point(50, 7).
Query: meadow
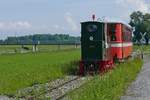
point(18, 71)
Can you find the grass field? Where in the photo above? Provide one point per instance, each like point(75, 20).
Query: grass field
point(22, 70)
point(4, 49)
point(111, 85)
point(145, 48)
point(18, 71)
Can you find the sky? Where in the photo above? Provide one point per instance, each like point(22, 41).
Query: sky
point(26, 17)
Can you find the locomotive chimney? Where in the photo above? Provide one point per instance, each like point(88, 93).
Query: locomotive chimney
point(93, 17)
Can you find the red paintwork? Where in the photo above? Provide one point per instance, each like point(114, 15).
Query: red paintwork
point(127, 51)
point(118, 33)
point(124, 51)
point(103, 66)
point(121, 52)
point(117, 51)
point(81, 68)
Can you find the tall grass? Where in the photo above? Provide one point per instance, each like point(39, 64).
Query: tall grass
point(111, 85)
point(22, 70)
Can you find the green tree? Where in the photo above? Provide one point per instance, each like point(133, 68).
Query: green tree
point(147, 27)
point(141, 24)
point(136, 23)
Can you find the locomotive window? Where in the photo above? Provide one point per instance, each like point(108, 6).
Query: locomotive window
point(92, 28)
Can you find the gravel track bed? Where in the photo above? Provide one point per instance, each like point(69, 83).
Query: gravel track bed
point(51, 90)
point(60, 92)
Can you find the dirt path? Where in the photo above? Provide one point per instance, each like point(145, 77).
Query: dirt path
point(140, 88)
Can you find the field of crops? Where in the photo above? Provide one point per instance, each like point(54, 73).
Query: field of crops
point(22, 70)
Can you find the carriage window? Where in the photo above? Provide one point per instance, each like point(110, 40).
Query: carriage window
point(127, 34)
point(112, 31)
point(113, 37)
point(112, 28)
point(92, 28)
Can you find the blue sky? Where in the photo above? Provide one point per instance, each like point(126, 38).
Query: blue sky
point(22, 17)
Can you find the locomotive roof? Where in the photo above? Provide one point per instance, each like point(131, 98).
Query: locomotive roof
point(110, 22)
point(119, 22)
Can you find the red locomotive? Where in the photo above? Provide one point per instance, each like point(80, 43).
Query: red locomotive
point(102, 44)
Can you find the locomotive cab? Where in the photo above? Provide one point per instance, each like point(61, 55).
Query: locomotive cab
point(95, 47)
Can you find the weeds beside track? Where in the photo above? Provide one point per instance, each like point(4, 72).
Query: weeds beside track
point(111, 85)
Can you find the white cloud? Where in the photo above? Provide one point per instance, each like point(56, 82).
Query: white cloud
point(71, 22)
point(1, 25)
point(140, 5)
point(56, 26)
point(17, 25)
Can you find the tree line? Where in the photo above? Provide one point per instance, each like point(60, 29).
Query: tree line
point(141, 26)
point(42, 39)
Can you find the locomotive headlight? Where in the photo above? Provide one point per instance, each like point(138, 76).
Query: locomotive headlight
point(91, 38)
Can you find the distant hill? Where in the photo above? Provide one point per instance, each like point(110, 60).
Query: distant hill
point(42, 39)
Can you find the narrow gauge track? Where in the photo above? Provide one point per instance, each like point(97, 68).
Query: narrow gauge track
point(59, 91)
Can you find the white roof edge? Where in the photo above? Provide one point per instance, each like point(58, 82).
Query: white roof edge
point(116, 21)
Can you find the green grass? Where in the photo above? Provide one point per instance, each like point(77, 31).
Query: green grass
point(41, 48)
point(22, 70)
point(19, 71)
point(111, 85)
point(144, 47)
